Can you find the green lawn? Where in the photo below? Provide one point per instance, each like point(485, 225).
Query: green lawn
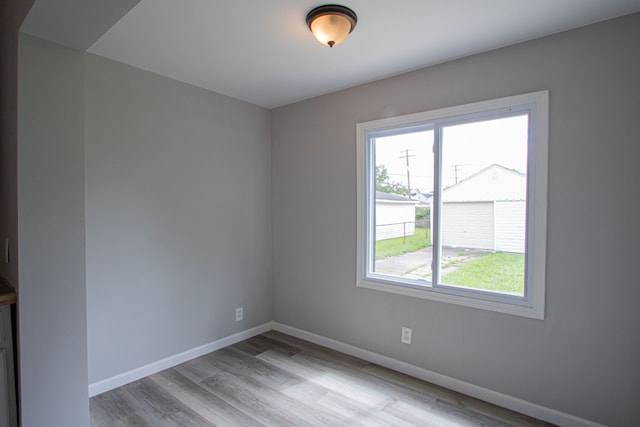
point(399, 245)
point(495, 272)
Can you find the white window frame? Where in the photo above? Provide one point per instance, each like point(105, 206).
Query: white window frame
point(532, 303)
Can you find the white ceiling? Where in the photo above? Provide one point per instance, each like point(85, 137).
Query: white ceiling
point(262, 52)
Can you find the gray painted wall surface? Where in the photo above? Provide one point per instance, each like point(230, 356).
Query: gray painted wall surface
point(12, 13)
point(178, 216)
point(583, 358)
point(51, 229)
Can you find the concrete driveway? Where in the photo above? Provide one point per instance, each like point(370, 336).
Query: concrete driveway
point(417, 265)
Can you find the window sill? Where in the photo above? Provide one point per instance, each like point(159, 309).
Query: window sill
point(429, 293)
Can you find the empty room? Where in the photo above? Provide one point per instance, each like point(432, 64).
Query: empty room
point(290, 213)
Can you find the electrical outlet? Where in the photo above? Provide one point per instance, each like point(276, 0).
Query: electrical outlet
point(239, 314)
point(406, 335)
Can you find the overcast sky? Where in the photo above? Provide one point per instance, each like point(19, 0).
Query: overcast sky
point(467, 148)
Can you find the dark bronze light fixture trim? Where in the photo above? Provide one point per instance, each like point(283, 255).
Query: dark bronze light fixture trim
point(331, 23)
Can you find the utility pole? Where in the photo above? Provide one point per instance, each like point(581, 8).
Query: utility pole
point(458, 171)
point(406, 157)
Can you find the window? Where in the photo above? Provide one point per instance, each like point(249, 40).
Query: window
point(452, 204)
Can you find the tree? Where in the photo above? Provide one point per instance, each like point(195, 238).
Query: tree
point(384, 183)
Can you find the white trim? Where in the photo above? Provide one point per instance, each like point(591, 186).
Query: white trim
point(416, 291)
point(538, 170)
point(500, 399)
point(532, 305)
point(116, 381)
point(396, 202)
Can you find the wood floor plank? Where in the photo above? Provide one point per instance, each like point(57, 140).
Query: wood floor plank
point(215, 410)
point(364, 414)
point(418, 415)
point(155, 406)
point(246, 395)
point(277, 380)
point(348, 382)
point(108, 408)
point(456, 399)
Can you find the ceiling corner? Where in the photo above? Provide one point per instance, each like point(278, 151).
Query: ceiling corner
point(74, 23)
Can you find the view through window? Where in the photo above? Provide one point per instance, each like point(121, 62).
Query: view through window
point(483, 204)
point(454, 201)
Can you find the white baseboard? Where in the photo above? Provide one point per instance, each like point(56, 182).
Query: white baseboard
point(500, 399)
point(171, 361)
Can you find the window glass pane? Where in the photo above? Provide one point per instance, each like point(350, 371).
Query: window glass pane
point(483, 205)
point(483, 244)
point(403, 192)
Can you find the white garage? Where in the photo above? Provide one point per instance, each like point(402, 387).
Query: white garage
point(486, 210)
point(395, 216)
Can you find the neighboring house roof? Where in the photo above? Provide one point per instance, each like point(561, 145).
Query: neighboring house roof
point(495, 182)
point(421, 197)
point(390, 197)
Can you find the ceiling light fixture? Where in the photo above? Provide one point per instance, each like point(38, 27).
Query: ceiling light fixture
point(331, 23)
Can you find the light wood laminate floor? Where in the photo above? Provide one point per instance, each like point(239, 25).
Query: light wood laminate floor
point(276, 380)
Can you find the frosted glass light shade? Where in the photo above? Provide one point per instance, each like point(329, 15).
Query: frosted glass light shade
point(331, 24)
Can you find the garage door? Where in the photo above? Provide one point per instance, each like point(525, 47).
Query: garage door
point(468, 225)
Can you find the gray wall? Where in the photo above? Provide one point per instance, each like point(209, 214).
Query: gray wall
point(583, 358)
point(12, 13)
point(178, 216)
point(177, 207)
point(51, 229)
